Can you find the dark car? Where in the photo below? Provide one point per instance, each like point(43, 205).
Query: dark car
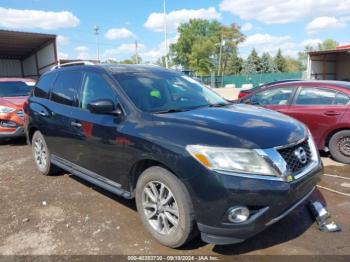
point(321, 105)
point(246, 92)
point(193, 161)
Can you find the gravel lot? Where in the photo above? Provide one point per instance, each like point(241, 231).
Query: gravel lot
point(63, 215)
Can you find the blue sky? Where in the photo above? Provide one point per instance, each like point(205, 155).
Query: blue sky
point(268, 24)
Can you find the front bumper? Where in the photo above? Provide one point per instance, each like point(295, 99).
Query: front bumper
point(268, 201)
point(18, 132)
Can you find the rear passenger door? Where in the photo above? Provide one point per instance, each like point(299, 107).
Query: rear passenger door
point(61, 136)
point(319, 108)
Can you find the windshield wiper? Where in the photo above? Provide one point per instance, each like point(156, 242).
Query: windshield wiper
point(219, 104)
point(173, 110)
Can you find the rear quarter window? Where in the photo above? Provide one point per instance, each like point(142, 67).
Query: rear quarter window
point(65, 88)
point(43, 86)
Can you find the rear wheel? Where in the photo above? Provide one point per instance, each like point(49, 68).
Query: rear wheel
point(42, 155)
point(339, 146)
point(165, 208)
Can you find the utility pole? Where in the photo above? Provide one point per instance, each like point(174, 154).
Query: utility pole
point(97, 32)
point(220, 55)
point(136, 52)
point(165, 35)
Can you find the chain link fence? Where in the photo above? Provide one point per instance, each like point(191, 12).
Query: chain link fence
point(254, 79)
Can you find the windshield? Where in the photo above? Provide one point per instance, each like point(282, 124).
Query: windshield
point(11, 89)
point(158, 92)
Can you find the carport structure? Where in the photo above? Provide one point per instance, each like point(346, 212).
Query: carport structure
point(329, 64)
point(24, 54)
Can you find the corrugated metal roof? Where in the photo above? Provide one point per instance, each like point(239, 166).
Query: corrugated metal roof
point(18, 45)
point(325, 52)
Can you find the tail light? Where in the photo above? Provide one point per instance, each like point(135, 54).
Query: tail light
point(25, 105)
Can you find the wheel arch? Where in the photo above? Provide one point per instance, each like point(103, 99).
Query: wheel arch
point(334, 131)
point(140, 166)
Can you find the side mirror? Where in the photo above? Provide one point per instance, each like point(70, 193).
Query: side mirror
point(103, 106)
point(254, 102)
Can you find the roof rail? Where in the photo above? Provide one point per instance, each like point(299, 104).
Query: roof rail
point(72, 64)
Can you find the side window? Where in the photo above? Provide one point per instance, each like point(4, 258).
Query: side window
point(95, 87)
point(64, 89)
point(341, 99)
point(315, 96)
point(277, 96)
point(44, 84)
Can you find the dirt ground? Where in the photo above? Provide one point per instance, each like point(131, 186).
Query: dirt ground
point(63, 215)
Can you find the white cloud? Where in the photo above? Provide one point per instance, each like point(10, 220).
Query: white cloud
point(247, 27)
point(268, 43)
point(81, 49)
point(84, 56)
point(284, 11)
point(324, 23)
point(62, 55)
point(23, 19)
point(155, 21)
point(151, 55)
point(123, 49)
point(311, 42)
point(119, 33)
point(62, 40)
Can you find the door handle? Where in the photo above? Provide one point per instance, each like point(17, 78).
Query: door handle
point(331, 113)
point(43, 113)
point(76, 124)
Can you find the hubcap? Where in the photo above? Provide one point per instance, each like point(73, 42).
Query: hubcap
point(344, 146)
point(160, 207)
point(40, 154)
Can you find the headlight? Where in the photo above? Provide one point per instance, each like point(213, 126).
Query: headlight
point(6, 109)
point(236, 160)
point(313, 148)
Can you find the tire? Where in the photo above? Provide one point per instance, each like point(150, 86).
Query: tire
point(185, 229)
point(42, 155)
point(339, 146)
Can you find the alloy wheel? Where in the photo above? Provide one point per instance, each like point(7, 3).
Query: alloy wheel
point(160, 207)
point(40, 154)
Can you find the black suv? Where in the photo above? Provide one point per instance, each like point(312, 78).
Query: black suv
point(193, 161)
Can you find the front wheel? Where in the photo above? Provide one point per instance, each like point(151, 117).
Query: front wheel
point(165, 208)
point(339, 146)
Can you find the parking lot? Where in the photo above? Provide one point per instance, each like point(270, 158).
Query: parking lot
point(63, 215)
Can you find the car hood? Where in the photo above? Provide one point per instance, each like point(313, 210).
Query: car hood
point(234, 126)
point(17, 101)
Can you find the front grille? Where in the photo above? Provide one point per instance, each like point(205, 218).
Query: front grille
point(294, 165)
point(20, 114)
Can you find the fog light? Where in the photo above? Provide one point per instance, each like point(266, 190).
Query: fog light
point(238, 214)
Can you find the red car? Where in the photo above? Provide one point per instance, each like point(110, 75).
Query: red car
point(246, 92)
point(13, 94)
point(321, 105)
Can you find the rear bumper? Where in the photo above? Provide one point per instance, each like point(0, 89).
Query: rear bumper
point(19, 132)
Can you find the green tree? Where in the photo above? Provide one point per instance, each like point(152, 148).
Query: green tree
point(280, 62)
point(136, 60)
point(199, 59)
point(293, 65)
point(230, 38)
point(302, 56)
point(198, 45)
point(127, 61)
point(267, 64)
point(327, 44)
point(252, 65)
point(234, 64)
